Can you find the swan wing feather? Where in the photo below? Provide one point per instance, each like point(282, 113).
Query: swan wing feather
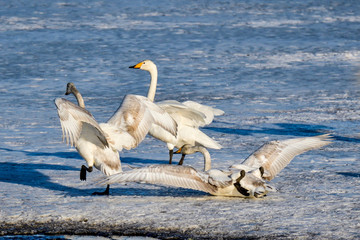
point(208, 111)
point(276, 155)
point(134, 118)
point(75, 121)
point(183, 114)
point(172, 175)
point(161, 117)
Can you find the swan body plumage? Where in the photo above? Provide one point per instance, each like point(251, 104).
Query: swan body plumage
point(261, 166)
point(188, 115)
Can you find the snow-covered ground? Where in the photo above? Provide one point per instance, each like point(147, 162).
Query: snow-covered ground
point(279, 69)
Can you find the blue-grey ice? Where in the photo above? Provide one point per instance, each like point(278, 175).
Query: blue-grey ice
point(278, 69)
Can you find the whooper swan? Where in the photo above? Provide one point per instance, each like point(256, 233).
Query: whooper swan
point(189, 116)
point(99, 144)
point(245, 180)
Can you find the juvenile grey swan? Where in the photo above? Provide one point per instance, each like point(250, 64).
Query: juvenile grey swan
point(187, 149)
point(189, 116)
point(244, 180)
point(99, 144)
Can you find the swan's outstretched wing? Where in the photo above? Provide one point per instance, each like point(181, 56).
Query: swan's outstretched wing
point(131, 122)
point(172, 175)
point(76, 121)
point(275, 155)
point(183, 114)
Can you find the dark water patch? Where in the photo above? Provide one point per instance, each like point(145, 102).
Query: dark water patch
point(85, 228)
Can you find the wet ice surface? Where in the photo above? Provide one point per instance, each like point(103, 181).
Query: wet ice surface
point(278, 69)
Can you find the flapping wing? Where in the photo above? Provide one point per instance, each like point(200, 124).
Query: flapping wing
point(172, 175)
point(275, 155)
point(161, 117)
point(183, 114)
point(75, 121)
point(134, 118)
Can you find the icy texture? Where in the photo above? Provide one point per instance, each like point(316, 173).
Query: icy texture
point(279, 69)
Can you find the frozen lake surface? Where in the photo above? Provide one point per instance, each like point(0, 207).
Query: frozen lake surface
point(279, 69)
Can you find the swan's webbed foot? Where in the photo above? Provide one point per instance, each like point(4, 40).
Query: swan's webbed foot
point(106, 192)
point(171, 153)
point(83, 172)
point(182, 159)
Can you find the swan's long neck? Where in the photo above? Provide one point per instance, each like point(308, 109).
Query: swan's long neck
point(207, 159)
point(206, 154)
point(79, 98)
point(153, 82)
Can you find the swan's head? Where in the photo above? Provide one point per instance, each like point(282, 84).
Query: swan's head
point(70, 88)
point(188, 149)
point(146, 65)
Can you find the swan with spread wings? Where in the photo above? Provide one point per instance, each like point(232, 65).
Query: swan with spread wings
point(248, 179)
point(99, 144)
point(189, 116)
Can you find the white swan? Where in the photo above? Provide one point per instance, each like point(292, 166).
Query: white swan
point(245, 180)
point(99, 144)
point(189, 116)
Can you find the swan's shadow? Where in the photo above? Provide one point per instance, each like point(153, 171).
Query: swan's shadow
point(349, 174)
point(73, 155)
point(27, 174)
point(291, 129)
point(157, 191)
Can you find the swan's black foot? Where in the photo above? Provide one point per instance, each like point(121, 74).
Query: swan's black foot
point(171, 153)
point(182, 156)
point(181, 159)
point(83, 172)
point(106, 192)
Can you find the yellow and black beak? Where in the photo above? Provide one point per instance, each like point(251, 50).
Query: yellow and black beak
point(137, 66)
point(178, 151)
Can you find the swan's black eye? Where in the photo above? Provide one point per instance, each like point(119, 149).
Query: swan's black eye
point(144, 62)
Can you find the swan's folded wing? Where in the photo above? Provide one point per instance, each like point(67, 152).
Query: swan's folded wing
point(172, 175)
point(75, 121)
point(275, 155)
point(183, 114)
point(208, 111)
